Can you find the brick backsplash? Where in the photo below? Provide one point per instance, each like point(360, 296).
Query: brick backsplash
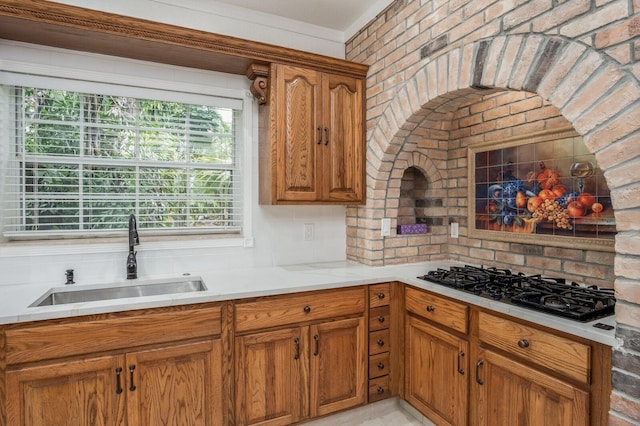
point(445, 75)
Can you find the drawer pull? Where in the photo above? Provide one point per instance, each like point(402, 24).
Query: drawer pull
point(431, 308)
point(307, 309)
point(296, 342)
point(381, 366)
point(380, 296)
point(380, 318)
point(460, 356)
point(132, 387)
point(478, 379)
point(317, 350)
point(523, 343)
point(118, 385)
point(380, 390)
point(380, 342)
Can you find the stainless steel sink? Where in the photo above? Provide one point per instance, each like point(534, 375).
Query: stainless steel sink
point(65, 295)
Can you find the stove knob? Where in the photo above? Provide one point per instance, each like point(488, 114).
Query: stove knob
point(523, 343)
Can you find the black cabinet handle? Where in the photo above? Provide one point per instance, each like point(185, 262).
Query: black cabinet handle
point(319, 135)
point(118, 384)
point(460, 356)
point(380, 390)
point(296, 342)
point(380, 296)
point(478, 379)
point(326, 136)
point(523, 343)
point(381, 318)
point(381, 366)
point(431, 308)
point(380, 342)
point(307, 309)
point(132, 387)
point(317, 350)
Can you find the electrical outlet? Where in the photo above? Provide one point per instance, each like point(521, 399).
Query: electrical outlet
point(308, 231)
point(454, 230)
point(385, 227)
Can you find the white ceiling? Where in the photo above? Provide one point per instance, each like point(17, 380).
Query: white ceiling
point(340, 15)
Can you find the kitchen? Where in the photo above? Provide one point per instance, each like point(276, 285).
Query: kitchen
point(391, 45)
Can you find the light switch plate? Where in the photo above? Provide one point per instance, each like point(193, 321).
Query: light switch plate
point(454, 230)
point(385, 227)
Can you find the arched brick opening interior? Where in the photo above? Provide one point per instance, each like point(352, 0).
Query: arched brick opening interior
point(592, 93)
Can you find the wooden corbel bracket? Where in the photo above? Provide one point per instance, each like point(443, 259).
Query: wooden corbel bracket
point(259, 74)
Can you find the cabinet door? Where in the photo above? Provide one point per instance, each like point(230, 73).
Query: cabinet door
point(70, 393)
point(269, 371)
point(175, 385)
point(436, 372)
point(338, 365)
point(342, 165)
point(298, 133)
point(513, 394)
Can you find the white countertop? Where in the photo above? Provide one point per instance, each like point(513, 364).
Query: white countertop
point(252, 282)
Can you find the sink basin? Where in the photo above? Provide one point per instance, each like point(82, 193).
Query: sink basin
point(65, 295)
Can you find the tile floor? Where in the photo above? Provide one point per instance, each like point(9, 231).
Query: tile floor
point(383, 413)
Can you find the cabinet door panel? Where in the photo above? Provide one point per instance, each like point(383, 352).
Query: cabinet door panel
point(269, 371)
point(175, 386)
point(342, 160)
point(436, 372)
point(74, 393)
point(298, 133)
point(338, 365)
point(514, 394)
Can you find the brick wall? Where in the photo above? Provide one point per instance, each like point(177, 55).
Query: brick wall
point(447, 74)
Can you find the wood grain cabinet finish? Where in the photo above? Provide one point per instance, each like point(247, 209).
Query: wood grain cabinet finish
point(166, 380)
point(465, 365)
point(313, 151)
point(513, 393)
point(380, 321)
point(436, 372)
point(310, 369)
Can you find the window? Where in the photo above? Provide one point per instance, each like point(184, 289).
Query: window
point(82, 162)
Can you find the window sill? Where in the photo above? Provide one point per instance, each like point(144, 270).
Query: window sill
point(118, 245)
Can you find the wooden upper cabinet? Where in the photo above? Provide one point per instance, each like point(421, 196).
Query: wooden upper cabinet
point(313, 149)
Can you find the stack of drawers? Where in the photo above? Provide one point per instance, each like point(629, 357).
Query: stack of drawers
point(379, 342)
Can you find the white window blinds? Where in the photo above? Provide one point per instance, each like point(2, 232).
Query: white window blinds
point(80, 163)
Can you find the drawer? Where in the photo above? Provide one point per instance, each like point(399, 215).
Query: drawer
point(379, 342)
point(379, 389)
point(437, 309)
point(309, 306)
point(562, 355)
point(379, 318)
point(378, 365)
point(379, 295)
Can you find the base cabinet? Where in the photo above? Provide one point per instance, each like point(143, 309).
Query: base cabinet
point(76, 393)
point(511, 393)
point(436, 372)
point(284, 376)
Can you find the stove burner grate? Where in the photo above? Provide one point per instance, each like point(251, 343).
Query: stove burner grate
point(550, 295)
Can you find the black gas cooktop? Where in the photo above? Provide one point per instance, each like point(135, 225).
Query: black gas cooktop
point(551, 295)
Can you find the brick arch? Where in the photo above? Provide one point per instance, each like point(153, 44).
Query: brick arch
point(596, 95)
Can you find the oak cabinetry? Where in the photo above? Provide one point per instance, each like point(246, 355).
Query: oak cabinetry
point(312, 148)
point(93, 376)
point(436, 358)
point(521, 374)
point(313, 366)
point(379, 341)
point(512, 392)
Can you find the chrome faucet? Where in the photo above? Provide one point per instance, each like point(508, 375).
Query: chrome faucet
point(134, 240)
